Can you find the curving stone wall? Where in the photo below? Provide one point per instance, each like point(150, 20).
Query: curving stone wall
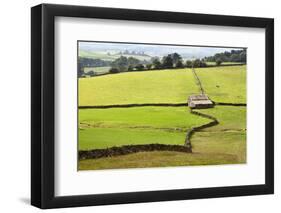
point(190, 132)
point(129, 149)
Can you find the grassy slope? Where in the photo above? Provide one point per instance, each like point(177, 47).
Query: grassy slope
point(156, 159)
point(96, 55)
point(229, 117)
point(172, 86)
point(156, 117)
point(232, 144)
point(98, 138)
point(104, 56)
point(224, 84)
point(102, 128)
point(228, 137)
point(99, 70)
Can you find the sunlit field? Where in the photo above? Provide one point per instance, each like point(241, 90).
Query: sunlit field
point(224, 143)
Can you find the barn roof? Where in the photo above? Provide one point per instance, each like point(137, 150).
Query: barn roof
point(199, 101)
point(198, 97)
point(203, 102)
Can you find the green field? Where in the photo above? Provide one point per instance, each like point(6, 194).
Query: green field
point(229, 117)
point(221, 144)
point(97, 70)
point(165, 86)
point(224, 143)
point(96, 55)
point(157, 159)
point(228, 137)
point(141, 117)
point(218, 145)
point(109, 57)
point(103, 128)
point(224, 84)
point(228, 85)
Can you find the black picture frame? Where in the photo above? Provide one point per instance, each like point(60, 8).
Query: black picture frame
point(43, 102)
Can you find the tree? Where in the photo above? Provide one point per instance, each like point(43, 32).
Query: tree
point(133, 61)
point(235, 58)
point(176, 58)
point(243, 56)
point(179, 64)
point(130, 68)
point(229, 56)
point(120, 63)
point(91, 73)
point(203, 63)
point(218, 62)
point(167, 61)
point(199, 63)
point(114, 70)
point(139, 67)
point(188, 63)
point(148, 66)
point(156, 63)
point(196, 63)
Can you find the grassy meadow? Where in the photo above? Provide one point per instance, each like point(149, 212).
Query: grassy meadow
point(224, 143)
point(224, 84)
point(105, 56)
point(228, 137)
point(104, 128)
point(97, 70)
point(165, 86)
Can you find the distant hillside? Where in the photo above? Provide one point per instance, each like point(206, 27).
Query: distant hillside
point(110, 56)
point(96, 55)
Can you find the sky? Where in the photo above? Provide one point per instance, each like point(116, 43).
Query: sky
point(154, 50)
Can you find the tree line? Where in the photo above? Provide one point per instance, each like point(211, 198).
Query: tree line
point(228, 56)
point(169, 61)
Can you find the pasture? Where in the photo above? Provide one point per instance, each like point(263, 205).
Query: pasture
point(224, 143)
point(103, 55)
point(224, 84)
point(221, 144)
point(104, 128)
point(164, 86)
point(93, 54)
point(97, 70)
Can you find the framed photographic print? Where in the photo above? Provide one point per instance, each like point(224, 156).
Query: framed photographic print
point(139, 106)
